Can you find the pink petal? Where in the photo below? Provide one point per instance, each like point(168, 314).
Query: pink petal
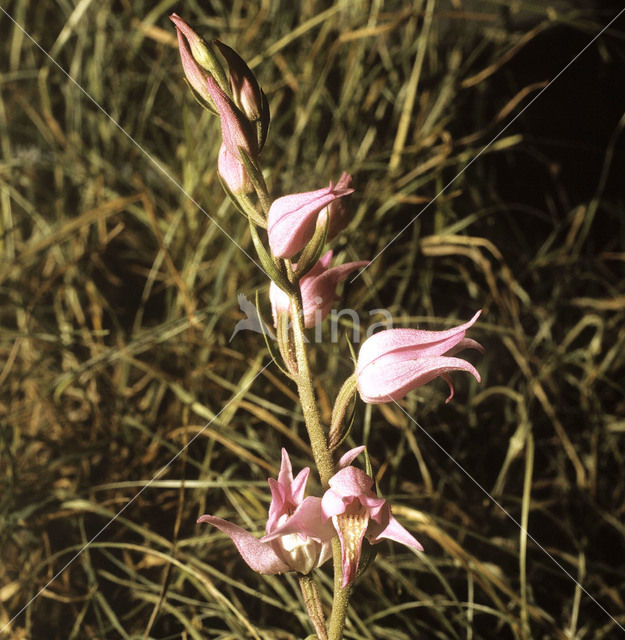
point(350, 456)
point(278, 504)
point(380, 383)
point(298, 487)
point(402, 344)
point(351, 481)
point(392, 531)
point(307, 520)
point(327, 281)
point(466, 343)
point(259, 556)
point(292, 218)
point(285, 477)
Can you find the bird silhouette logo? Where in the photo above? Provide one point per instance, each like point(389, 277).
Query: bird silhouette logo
point(253, 320)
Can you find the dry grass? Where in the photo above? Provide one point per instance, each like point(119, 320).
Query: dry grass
point(119, 298)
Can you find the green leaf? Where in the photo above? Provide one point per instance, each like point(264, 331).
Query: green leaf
point(267, 262)
point(313, 250)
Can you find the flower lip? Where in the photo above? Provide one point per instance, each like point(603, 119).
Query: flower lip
point(356, 513)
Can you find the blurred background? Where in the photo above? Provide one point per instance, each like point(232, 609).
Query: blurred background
point(118, 298)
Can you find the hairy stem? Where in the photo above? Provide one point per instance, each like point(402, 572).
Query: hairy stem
point(322, 456)
point(313, 605)
point(341, 595)
point(318, 441)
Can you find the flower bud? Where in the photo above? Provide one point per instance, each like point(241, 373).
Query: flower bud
point(196, 76)
point(245, 89)
point(202, 53)
point(233, 172)
point(236, 130)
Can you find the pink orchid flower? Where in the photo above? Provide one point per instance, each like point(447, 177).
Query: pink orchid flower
point(357, 513)
point(318, 288)
point(393, 362)
point(292, 218)
point(296, 540)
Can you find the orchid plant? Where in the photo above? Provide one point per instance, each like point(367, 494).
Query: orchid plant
point(290, 234)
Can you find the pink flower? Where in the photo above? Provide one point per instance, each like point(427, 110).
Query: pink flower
point(357, 513)
point(393, 362)
point(318, 288)
point(296, 540)
point(292, 218)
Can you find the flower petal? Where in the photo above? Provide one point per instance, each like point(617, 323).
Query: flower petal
point(379, 383)
point(350, 456)
point(292, 218)
point(258, 555)
point(285, 477)
point(392, 530)
point(351, 481)
point(396, 345)
point(306, 520)
point(332, 504)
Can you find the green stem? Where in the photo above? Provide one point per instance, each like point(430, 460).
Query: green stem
point(313, 605)
point(318, 441)
point(341, 596)
point(322, 456)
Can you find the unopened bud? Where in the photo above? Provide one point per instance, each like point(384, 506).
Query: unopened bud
point(233, 172)
point(338, 428)
point(202, 52)
point(246, 91)
point(196, 76)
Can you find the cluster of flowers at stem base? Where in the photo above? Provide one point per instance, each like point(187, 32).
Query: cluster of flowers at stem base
point(299, 529)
